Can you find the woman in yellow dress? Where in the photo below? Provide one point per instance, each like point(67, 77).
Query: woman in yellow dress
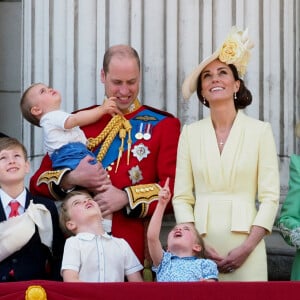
point(225, 162)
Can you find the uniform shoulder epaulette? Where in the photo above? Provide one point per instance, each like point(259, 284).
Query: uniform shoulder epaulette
point(162, 112)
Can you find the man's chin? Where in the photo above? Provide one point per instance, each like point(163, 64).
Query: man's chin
point(124, 106)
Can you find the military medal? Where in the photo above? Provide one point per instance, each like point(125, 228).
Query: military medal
point(139, 134)
point(140, 151)
point(147, 134)
point(135, 174)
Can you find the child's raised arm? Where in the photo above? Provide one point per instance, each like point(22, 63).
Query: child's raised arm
point(154, 244)
point(90, 116)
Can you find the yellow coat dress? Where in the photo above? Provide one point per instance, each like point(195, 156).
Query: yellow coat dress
point(218, 192)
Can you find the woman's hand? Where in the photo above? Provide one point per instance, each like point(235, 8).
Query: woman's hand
point(212, 254)
point(235, 258)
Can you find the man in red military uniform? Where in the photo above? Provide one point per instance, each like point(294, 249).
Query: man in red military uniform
point(136, 156)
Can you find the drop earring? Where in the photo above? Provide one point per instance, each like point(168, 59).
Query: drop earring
point(234, 96)
point(204, 101)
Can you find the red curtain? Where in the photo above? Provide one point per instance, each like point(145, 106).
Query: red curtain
point(272, 290)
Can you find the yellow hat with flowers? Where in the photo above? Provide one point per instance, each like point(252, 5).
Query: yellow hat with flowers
point(234, 50)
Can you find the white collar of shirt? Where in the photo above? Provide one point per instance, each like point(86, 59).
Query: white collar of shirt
point(87, 236)
point(5, 198)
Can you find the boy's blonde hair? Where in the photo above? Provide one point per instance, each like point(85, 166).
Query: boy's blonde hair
point(9, 142)
point(26, 105)
point(64, 216)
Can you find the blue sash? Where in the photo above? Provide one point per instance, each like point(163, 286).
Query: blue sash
point(146, 117)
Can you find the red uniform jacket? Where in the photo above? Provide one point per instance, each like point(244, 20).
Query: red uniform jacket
point(151, 162)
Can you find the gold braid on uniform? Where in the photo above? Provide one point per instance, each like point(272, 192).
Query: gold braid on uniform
point(128, 128)
point(122, 135)
point(94, 142)
point(118, 124)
